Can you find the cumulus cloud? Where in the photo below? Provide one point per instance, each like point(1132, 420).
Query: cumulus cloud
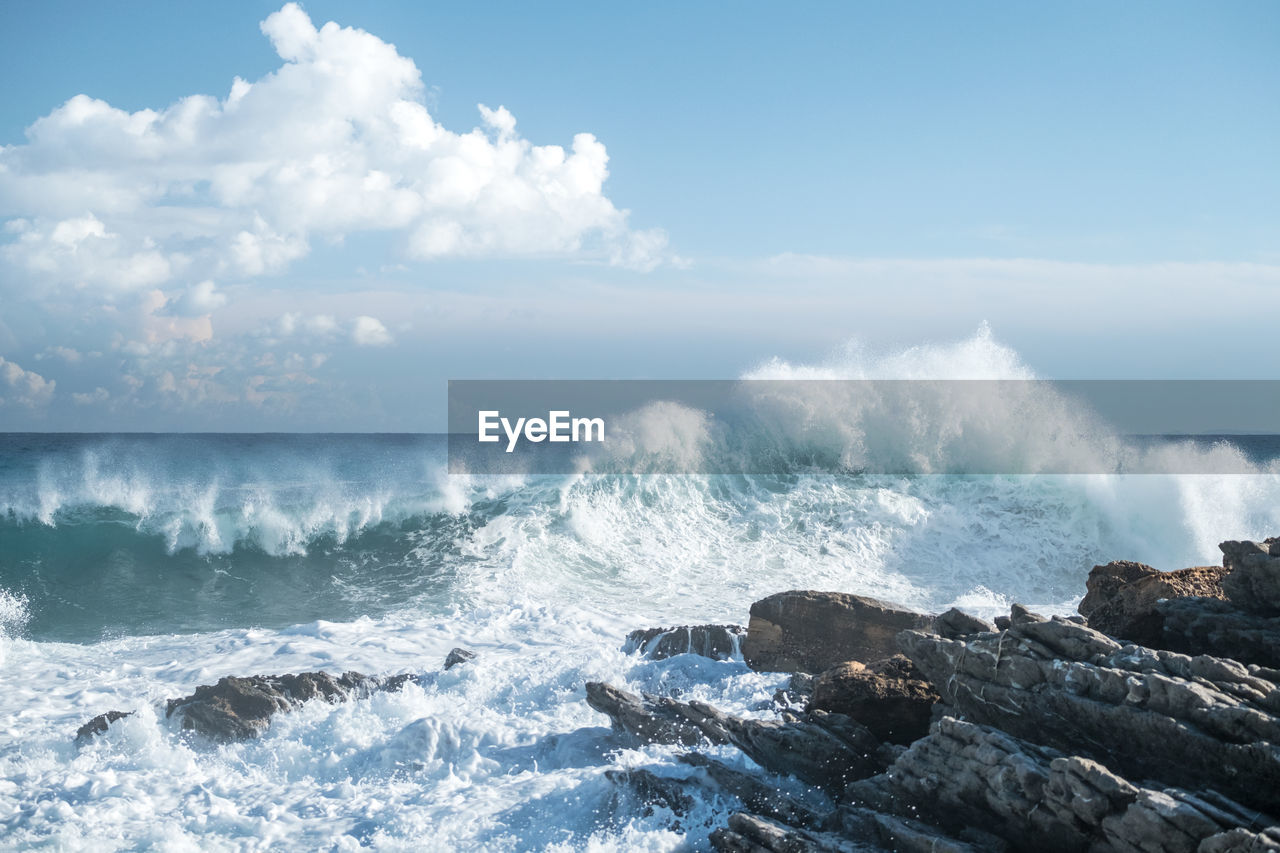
point(369, 332)
point(98, 395)
point(24, 387)
point(337, 140)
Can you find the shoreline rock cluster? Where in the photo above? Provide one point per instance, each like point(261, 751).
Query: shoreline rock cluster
point(1150, 722)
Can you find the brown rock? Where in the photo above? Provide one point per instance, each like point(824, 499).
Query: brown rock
point(239, 708)
point(883, 696)
point(807, 631)
point(1122, 597)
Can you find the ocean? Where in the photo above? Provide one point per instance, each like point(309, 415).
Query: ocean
point(135, 567)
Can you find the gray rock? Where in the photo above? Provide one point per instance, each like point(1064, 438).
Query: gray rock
point(825, 750)
point(902, 835)
point(646, 718)
point(1253, 575)
point(806, 631)
point(457, 656)
point(654, 790)
point(718, 642)
point(1198, 722)
point(955, 623)
point(964, 774)
point(751, 834)
point(758, 796)
point(1206, 626)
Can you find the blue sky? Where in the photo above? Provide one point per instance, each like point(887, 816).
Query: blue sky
point(1096, 181)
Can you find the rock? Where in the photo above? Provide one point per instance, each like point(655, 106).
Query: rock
point(1122, 597)
point(797, 692)
point(654, 790)
point(647, 718)
point(718, 642)
point(964, 774)
point(825, 750)
point(240, 708)
point(1253, 575)
point(99, 724)
point(1242, 841)
point(457, 656)
point(882, 696)
point(955, 624)
point(1197, 722)
point(759, 797)
point(805, 631)
point(1206, 626)
point(901, 835)
point(751, 834)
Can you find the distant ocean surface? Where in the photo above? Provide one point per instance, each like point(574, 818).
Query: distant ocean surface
point(135, 567)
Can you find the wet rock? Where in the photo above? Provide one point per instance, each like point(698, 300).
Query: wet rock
point(758, 796)
point(1197, 722)
point(748, 833)
point(240, 708)
point(1122, 597)
point(648, 718)
point(902, 835)
point(883, 696)
point(99, 724)
point(964, 774)
point(806, 631)
point(797, 692)
point(654, 790)
point(718, 642)
point(457, 656)
point(955, 623)
point(1253, 575)
point(825, 750)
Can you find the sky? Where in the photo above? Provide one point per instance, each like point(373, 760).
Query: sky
point(268, 217)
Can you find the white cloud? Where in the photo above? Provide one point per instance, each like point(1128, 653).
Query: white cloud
point(337, 140)
point(369, 332)
point(98, 395)
point(26, 387)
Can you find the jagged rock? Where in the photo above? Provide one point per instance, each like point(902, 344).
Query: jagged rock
point(457, 656)
point(825, 750)
point(718, 642)
point(1253, 574)
point(955, 623)
point(1191, 721)
point(1122, 597)
point(756, 795)
point(240, 708)
point(648, 718)
point(653, 789)
point(806, 631)
point(100, 724)
point(902, 835)
point(964, 774)
point(1209, 626)
point(883, 696)
point(751, 834)
point(1242, 841)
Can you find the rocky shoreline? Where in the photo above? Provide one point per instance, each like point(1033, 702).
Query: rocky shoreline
point(1149, 722)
